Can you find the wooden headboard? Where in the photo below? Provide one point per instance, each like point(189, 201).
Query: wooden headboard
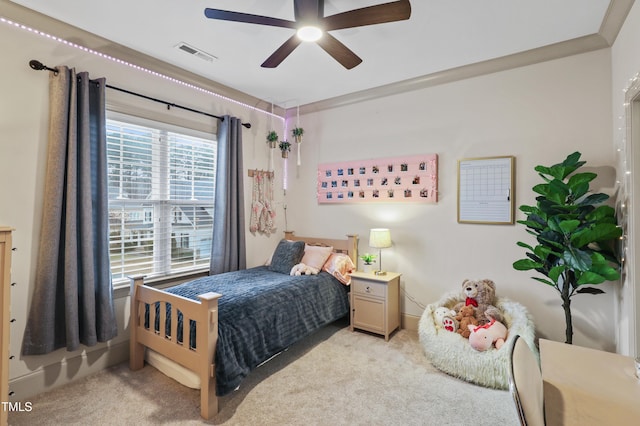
point(348, 245)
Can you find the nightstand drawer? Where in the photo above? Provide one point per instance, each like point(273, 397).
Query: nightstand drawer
point(369, 288)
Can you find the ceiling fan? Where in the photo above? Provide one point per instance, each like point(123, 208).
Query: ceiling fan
point(309, 18)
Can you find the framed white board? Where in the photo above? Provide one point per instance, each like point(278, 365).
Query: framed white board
point(486, 190)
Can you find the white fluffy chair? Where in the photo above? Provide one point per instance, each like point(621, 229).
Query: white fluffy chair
point(452, 354)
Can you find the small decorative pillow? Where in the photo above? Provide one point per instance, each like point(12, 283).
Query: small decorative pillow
point(286, 256)
point(340, 266)
point(316, 256)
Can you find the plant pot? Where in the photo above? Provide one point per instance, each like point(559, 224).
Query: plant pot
point(273, 144)
point(298, 138)
point(285, 154)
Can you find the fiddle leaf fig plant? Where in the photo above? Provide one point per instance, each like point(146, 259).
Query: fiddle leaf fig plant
point(575, 234)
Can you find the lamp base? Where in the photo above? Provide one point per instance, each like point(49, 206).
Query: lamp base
point(380, 272)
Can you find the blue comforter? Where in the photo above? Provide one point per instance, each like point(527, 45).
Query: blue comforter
point(261, 313)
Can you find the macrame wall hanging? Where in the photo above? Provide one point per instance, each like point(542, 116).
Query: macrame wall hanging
point(263, 214)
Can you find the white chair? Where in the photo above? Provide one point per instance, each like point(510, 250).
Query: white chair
point(525, 384)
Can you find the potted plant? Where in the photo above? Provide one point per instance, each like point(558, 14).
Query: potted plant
point(272, 138)
point(575, 234)
point(285, 147)
point(369, 260)
point(297, 134)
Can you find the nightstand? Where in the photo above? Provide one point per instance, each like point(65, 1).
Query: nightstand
point(375, 302)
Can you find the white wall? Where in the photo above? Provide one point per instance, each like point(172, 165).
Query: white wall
point(23, 149)
point(625, 66)
point(539, 114)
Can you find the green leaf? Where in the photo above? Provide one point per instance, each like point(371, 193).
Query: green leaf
point(528, 209)
point(577, 259)
point(568, 226)
point(589, 290)
point(542, 169)
point(541, 189)
point(556, 271)
point(577, 191)
point(602, 212)
point(580, 179)
point(589, 277)
point(544, 252)
point(526, 265)
point(547, 282)
point(596, 233)
point(558, 171)
point(527, 246)
point(558, 191)
point(594, 199)
point(531, 224)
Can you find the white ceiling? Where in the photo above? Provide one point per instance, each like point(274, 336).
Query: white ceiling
point(440, 35)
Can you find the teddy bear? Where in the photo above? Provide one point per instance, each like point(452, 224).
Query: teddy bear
point(302, 269)
point(482, 295)
point(444, 317)
point(465, 318)
point(450, 323)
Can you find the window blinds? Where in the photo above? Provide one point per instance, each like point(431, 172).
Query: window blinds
point(161, 195)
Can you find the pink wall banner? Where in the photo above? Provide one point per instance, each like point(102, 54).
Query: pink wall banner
point(399, 179)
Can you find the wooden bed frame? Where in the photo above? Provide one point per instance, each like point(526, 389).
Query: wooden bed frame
point(205, 313)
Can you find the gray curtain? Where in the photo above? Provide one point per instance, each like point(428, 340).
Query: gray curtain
point(228, 249)
point(72, 301)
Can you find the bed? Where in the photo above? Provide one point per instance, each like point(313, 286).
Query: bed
point(228, 324)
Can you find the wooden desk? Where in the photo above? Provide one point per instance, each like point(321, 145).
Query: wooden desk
point(588, 387)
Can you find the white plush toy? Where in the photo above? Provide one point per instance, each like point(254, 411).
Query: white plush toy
point(302, 269)
point(439, 315)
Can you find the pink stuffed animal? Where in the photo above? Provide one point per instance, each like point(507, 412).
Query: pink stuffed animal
point(485, 336)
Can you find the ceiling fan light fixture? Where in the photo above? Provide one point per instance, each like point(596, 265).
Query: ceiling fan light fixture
point(309, 33)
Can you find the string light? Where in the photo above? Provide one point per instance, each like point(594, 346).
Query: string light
point(136, 67)
point(298, 145)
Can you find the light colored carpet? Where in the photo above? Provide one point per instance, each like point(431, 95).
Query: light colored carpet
point(334, 377)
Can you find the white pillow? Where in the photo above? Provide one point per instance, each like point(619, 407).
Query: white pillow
point(316, 256)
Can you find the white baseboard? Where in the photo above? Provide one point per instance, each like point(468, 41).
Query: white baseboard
point(52, 376)
point(410, 322)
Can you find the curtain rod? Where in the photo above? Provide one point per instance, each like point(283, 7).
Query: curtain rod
point(37, 65)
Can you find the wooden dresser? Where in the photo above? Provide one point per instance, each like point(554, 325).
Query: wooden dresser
point(5, 316)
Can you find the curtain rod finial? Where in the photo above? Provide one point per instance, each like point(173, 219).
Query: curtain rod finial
point(37, 65)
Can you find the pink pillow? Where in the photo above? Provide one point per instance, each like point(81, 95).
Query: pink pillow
point(340, 266)
point(316, 256)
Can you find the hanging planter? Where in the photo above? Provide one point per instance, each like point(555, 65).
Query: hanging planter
point(297, 134)
point(285, 147)
point(272, 139)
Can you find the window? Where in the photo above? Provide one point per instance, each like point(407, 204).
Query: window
point(161, 194)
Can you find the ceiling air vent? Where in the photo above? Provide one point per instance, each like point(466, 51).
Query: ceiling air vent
point(195, 52)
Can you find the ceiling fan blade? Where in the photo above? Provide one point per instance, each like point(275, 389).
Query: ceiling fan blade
point(226, 15)
point(371, 15)
point(308, 10)
point(339, 51)
point(282, 52)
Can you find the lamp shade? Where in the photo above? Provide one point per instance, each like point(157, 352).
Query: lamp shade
point(380, 238)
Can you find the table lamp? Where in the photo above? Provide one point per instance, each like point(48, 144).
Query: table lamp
point(380, 238)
